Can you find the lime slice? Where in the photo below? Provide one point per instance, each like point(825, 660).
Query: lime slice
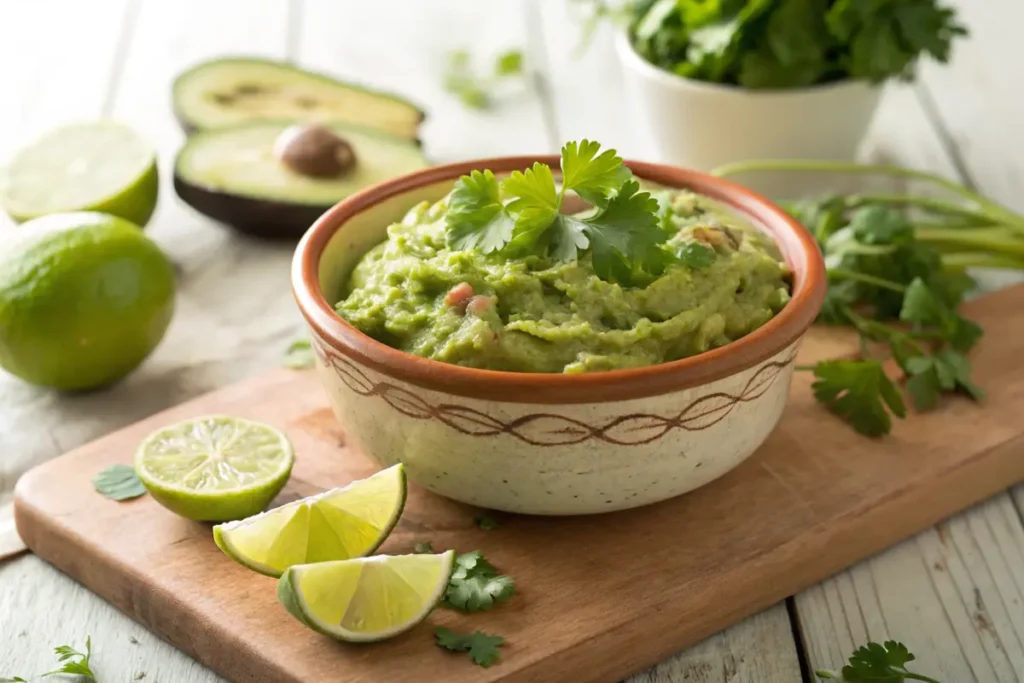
point(366, 599)
point(99, 166)
point(339, 524)
point(215, 468)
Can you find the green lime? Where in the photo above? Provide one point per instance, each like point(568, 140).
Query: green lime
point(84, 298)
point(366, 599)
point(339, 524)
point(215, 468)
point(98, 166)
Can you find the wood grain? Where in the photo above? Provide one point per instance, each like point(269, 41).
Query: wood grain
point(814, 499)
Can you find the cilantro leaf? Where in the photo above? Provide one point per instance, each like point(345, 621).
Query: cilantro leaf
point(118, 482)
point(860, 392)
point(626, 232)
point(695, 255)
point(475, 585)
point(476, 217)
point(923, 382)
point(594, 177)
point(509, 63)
point(925, 308)
point(299, 355)
point(475, 92)
point(957, 369)
point(874, 663)
point(479, 646)
point(66, 653)
point(423, 548)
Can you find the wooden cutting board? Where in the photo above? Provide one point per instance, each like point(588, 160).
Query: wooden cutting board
point(598, 597)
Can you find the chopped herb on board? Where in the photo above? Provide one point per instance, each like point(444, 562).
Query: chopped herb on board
point(118, 482)
point(478, 646)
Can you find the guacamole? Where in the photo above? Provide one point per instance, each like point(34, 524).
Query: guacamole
point(533, 313)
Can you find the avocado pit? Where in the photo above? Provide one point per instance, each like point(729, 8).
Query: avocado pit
point(315, 151)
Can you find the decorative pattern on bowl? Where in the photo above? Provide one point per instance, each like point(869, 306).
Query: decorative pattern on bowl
point(553, 429)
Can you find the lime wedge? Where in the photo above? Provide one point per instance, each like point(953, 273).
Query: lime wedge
point(99, 166)
point(339, 524)
point(366, 599)
point(215, 468)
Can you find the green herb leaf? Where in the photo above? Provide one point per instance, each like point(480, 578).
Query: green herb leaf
point(475, 585)
point(476, 217)
point(299, 355)
point(479, 646)
point(625, 233)
point(118, 482)
point(66, 653)
point(860, 392)
point(486, 522)
point(594, 177)
point(695, 255)
point(476, 92)
point(874, 663)
point(509, 64)
point(423, 548)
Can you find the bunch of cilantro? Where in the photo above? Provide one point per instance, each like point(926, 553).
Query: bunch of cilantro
point(522, 214)
point(791, 43)
point(896, 274)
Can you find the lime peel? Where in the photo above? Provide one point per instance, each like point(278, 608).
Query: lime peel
point(339, 524)
point(365, 590)
point(216, 467)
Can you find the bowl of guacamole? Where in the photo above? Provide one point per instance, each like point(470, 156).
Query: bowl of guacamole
point(557, 335)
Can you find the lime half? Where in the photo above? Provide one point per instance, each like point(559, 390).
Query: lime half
point(366, 599)
point(339, 524)
point(215, 468)
point(99, 166)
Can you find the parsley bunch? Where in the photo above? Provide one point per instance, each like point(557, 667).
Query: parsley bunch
point(874, 663)
point(523, 214)
point(788, 43)
point(896, 274)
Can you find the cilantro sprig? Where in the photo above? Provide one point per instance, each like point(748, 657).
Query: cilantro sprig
point(72, 662)
point(896, 274)
point(523, 213)
point(476, 585)
point(478, 646)
point(875, 663)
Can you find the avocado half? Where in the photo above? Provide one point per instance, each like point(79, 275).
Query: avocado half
point(235, 90)
point(234, 176)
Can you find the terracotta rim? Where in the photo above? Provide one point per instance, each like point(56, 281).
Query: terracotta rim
point(796, 244)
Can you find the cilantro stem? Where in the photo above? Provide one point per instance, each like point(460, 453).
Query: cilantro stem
point(929, 204)
point(991, 208)
point(983, 239)
point(845, 274)
point(962, 260)
point(910, 676)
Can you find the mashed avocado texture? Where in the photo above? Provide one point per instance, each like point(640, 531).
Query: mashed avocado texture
point(531, 313)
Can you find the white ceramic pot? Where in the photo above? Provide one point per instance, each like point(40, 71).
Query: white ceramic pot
point(704, 125)
point(549, 444)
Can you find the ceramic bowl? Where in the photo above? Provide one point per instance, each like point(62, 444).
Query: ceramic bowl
point(549, 444)
point(706, 125)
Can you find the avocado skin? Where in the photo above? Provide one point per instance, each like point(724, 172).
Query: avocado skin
point(268, 219)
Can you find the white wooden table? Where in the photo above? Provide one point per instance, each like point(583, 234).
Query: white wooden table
point(955, 593)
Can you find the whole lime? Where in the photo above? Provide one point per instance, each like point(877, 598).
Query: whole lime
point(84, 298)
